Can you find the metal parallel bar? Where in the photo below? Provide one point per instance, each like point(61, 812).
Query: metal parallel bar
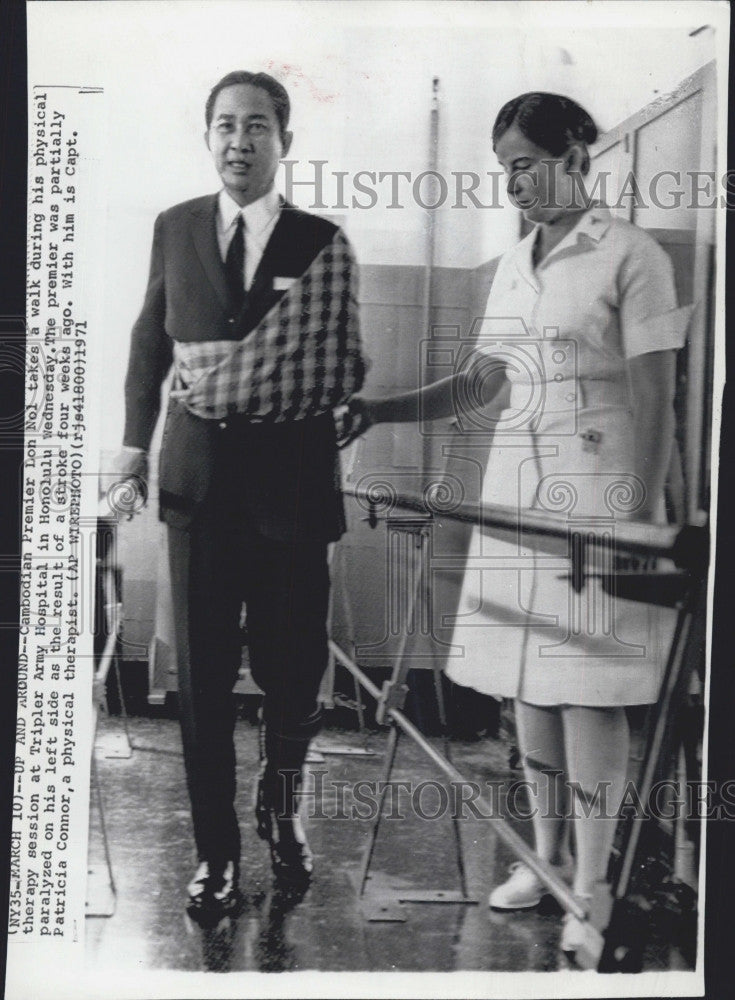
point(684, 544)
point(561, 892)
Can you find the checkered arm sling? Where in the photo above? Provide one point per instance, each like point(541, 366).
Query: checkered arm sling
point(302, 359)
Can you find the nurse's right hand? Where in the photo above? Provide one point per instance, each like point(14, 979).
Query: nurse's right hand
point(353, 420)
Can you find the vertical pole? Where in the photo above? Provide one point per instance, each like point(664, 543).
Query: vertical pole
point(430, 236)
point(700, 336)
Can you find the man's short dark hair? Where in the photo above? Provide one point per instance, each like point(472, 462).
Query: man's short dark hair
point(276, 91)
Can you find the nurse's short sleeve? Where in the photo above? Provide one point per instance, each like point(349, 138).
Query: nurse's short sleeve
point(649, 317)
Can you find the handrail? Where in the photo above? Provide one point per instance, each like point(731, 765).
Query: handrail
point(687, 545)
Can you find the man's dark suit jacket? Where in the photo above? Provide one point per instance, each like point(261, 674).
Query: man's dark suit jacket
point(286, 475)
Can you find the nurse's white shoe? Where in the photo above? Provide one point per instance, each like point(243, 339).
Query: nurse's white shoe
point(524, 889)
point(574, 932)
point(572, 935)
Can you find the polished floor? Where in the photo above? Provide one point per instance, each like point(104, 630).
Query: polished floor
point(144, 813)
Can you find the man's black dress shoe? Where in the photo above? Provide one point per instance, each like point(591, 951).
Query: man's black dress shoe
point(291, 858)
point(214, 892)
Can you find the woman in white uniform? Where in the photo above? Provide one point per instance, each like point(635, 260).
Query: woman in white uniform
point(592, 375)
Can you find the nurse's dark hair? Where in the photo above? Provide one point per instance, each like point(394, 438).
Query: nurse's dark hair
point(275, 90)
point(551, 121)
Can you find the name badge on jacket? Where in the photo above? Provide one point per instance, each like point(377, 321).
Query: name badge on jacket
point(282, 284)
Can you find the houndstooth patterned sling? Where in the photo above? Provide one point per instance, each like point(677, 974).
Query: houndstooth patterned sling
point(302, 359)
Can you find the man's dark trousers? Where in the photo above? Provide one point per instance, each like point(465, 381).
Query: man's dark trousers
point(219, 562)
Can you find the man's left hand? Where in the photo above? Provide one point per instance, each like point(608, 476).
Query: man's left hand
point(352, 421)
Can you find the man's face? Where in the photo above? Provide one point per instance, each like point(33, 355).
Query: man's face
point(245, 141)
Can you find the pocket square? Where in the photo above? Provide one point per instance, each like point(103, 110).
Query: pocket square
point(282, 284)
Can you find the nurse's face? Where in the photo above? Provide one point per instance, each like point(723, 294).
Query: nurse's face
point(538, 183)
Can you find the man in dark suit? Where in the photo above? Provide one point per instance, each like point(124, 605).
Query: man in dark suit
point(249, 490)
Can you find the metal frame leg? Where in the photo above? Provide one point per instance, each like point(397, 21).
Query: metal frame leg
point(391, 699)
point(93, 873)
point(327, 694)
point(387, 772)
point(623, 941)
point(447, 753)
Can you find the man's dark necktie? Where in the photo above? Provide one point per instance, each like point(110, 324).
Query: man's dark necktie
point(235, 265)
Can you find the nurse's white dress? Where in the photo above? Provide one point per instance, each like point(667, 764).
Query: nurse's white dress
point(565, 331)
